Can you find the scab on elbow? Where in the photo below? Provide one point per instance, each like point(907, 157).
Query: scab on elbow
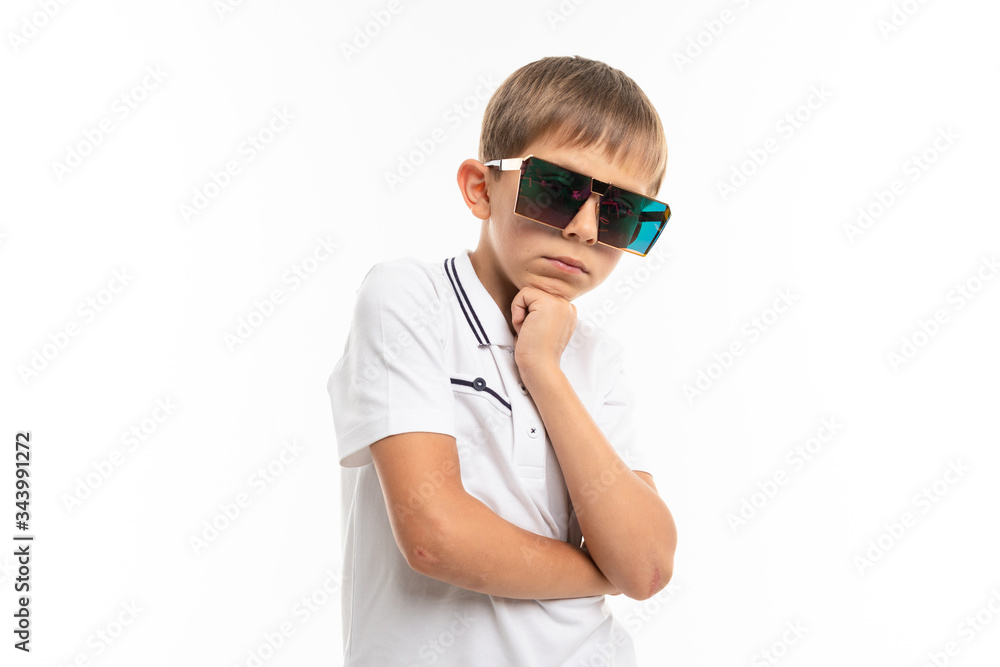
point(655, 584)
point(424, 556)
point(422, 542)
point(430, 546)
point(420, 556)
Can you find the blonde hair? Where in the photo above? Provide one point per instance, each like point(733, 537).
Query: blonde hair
point(575, 102)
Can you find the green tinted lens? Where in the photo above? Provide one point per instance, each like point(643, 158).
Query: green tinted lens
point(631, 221)
point(553, 195)
point(549, 193)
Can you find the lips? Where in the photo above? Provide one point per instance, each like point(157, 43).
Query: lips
point(572, 262)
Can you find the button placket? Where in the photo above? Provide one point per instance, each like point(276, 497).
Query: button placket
point(529, 432)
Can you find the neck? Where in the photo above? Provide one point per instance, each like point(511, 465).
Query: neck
point(498, 287)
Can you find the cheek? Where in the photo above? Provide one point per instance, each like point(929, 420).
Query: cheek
point(509, 239)
point(609, 260)
point(521, 235)
point(535, 230)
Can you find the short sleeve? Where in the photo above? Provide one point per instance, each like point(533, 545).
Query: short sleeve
point(616, 415)
point(392, 377)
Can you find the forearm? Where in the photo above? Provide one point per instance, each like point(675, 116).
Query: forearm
point(474, 548)
point(627, 527)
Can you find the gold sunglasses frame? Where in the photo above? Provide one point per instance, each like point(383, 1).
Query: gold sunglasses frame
point(514, 164)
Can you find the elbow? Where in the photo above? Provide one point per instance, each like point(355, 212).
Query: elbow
point(654, 580)
point(421, 559)
point(659, 569)
point(424, 543)
point(654, 574)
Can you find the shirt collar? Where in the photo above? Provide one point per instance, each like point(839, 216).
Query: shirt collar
point(485, 319)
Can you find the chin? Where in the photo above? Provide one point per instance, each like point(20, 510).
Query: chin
point(557, 287)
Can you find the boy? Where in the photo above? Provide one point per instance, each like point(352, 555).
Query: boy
point(493, 492)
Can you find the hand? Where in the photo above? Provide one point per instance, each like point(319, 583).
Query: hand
point(543, 324)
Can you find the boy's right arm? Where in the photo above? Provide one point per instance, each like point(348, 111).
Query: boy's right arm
point(449, 535)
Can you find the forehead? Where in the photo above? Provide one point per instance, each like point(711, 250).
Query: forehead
point(590, 161)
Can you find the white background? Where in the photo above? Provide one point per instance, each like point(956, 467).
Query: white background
point(107, 541)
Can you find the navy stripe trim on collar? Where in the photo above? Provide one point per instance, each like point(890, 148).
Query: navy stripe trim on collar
point(485, 388)
point(463, 301)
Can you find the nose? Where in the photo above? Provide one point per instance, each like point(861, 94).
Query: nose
point(583, 226)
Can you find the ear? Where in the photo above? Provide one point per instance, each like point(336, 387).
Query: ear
point(474, 183)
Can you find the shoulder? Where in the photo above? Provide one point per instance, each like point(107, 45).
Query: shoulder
point(403, 279)
point(403, 292)
point(403, 271)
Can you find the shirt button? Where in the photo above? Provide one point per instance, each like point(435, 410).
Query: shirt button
point(533, 431)
point(524, 390)
point(479, 384)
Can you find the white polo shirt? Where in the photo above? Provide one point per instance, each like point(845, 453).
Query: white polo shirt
point(429, 350)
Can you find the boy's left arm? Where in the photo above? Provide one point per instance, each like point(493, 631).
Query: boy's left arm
point(627, 528)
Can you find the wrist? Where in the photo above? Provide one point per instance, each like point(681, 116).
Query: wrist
point(534, 377)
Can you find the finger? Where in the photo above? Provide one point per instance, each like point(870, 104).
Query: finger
point(518, 311)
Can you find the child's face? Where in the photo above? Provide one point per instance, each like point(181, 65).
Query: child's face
point(525, 249)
